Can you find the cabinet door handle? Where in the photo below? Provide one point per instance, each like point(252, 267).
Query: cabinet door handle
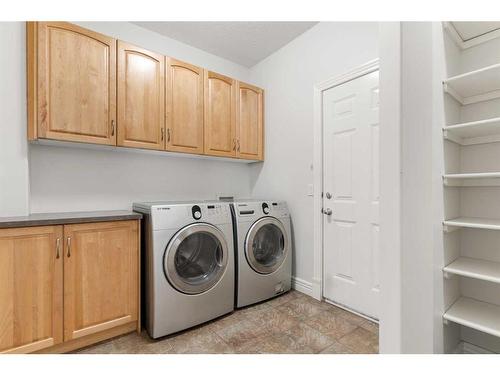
point(168, 135)
point(112, 128)
point(68, 243)
point(58, 248)
point(162, 134)
point(234, 144)
point(238, 147)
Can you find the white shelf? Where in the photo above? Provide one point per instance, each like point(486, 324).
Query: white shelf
point(471, 222)
point(482, 316)
point(475, 268)
point(475, 132)
point(476, 86)
point(472, 179)
point(475, 41)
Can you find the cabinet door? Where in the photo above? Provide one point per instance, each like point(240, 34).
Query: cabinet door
point(100, 276)
point(250, 127)
point(76, 84)
point(220, 115)
point(141, 103)
point(30, 288)
point(184, 107)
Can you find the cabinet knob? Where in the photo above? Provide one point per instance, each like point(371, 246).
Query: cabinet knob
point(58, 248)
point(68, 243)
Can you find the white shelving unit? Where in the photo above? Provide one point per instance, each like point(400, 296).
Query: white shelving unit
point(474, 132)
point(484, 317)
point(476, 121)
point(474, 268)
point(476, 86)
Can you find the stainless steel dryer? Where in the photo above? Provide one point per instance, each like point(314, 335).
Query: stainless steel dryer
point(189, 264)
point(264, 250)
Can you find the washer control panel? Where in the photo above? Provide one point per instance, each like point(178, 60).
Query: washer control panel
point(178, 215)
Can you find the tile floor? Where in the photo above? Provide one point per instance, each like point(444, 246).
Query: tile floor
point(291, 323)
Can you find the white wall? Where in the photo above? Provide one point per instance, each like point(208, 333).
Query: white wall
point(417, 224)
point(390, 187)
point(13, 144)
point(288, 76)
point(75, 179)
point(67, 179)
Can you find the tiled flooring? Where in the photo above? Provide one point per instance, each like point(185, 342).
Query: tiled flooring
point(292, 323)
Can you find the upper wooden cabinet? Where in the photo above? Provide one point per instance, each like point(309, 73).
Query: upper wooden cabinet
point(100, 277)
point(141, 92)
point(220, 115)
point(75, 72)
point(31, 294)
point(250, 128)
point(184, 107)
point(86, 87)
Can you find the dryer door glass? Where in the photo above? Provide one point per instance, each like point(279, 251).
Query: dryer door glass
point(266, 245)
point(195, 258)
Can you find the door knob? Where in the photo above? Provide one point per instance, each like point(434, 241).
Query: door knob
point(327, 211)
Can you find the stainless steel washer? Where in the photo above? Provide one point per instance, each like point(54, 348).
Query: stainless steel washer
point(189, 264)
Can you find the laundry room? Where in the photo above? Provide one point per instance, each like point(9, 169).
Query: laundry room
point(242, 186)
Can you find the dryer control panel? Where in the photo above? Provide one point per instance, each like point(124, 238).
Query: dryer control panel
point(263, 208)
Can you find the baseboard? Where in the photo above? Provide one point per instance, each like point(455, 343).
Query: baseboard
point(302, 286)
point(468, 348)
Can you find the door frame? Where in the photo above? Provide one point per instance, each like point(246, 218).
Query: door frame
point(319, 88)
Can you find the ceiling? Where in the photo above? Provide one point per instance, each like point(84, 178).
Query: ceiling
point(470, 30)
point(244, 43)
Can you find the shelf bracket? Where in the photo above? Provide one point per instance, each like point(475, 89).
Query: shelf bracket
point(446, 322)
point(452, 138)
point(449, 229)
point(447, 275)
point(455, 95)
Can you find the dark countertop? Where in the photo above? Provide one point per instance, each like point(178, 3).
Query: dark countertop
point(58, 218)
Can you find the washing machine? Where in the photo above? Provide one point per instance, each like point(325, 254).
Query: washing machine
point(188, 264)
point(264, 250)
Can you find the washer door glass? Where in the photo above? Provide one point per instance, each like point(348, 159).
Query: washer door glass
point(196, 258)
point(266, 245)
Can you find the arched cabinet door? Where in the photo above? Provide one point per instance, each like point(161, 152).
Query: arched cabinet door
point(76, 89)
point(141, 98)
point(184, 107)
point(220, 115)
point(250, 126)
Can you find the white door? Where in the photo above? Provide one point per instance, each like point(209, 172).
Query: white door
point(351, 194)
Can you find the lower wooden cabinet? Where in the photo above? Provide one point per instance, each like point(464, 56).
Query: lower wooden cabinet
point(99, 294)
point(31, 288)
point(100, 277)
